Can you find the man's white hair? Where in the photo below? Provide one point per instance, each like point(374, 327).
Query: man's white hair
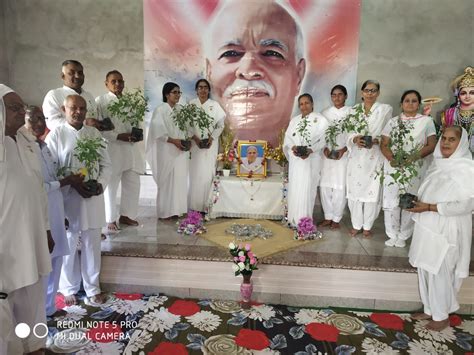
point(299, 43)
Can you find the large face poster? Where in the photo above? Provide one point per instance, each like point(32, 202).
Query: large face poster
point(258, 55)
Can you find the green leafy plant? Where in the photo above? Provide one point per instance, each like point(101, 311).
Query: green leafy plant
point(202, 120)
point(355, 121)
point(303, 131)
point(184, 118)
point(332, 132)
point(87, 151)
point(130, 107)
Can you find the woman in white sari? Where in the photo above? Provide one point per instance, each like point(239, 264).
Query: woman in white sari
point(441, 244)
point(398, 223)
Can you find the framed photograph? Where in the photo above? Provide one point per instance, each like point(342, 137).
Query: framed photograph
point(252, 162)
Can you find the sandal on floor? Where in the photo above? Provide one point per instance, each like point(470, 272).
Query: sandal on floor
point(112, 228)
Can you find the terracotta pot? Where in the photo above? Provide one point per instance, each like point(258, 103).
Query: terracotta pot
point(246, 288)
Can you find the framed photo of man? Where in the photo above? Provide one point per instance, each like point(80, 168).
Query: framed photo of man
point(252, 160)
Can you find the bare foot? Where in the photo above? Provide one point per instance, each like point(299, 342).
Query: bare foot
point(99, 299)
point(437, 325)
point(335, 225)
point(354, 232)
point(70, 300)
point(420, 316)
point(367, 234)
point(325, 223)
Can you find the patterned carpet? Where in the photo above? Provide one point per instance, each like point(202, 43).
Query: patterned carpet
point(158, 324)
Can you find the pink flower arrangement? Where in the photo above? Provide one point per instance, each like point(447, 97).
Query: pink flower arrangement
point(192, 224)
point(306, 230)
point(227, 159)
point(245, 261)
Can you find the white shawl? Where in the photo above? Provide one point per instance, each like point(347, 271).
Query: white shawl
point(3, 116)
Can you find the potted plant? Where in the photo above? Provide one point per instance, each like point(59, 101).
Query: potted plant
point(245, 262)
point(227, 155)
point(405, 162)
point(205, 124)
point(87, 151)
point(183, 117)
point(303, 131)
point(356, 122)
point(331, 133)
point(131, 107)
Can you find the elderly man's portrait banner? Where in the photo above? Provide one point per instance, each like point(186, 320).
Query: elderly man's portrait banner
point(258, 55)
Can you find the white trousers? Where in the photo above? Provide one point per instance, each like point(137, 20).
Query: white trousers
point(333, 202)
point(85, 265)
point(398, 223)
point(26, 306)
point(438, 292)
point(363, 214)
point(51, 285)
point(129, 196)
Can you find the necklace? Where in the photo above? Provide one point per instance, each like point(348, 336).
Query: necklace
point(464, 116)
point(251, 193)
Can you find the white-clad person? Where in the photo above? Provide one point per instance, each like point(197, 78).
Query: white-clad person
point(35, 123)
point(83, 208)
point(363, 186)
point(304, 170)
point(202, 166)
point(167, 157)
point(126, 157)
point(333, 169)
point(72, 75)
point(24, 255)
point(251, 163)
point(441, 245)
point(398, 223)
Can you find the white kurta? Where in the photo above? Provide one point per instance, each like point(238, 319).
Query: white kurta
point(170, 166)
point(54, 99)
point(202, 166)
point(363, 164)
point(127, 163)
point(304, 174)
point(441, 245)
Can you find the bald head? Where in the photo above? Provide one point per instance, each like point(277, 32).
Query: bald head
point(72, 74)
point(75, 109)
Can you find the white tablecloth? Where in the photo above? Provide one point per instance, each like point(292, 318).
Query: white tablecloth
point(247, 198)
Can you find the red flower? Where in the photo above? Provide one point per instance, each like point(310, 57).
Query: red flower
point(129, 296)
point(184, 308)
point(387, 320)
point(60, 304)
point(454, 320)
point(252, 339)
point(167, 348)
point(322, 332)
point(106, 332)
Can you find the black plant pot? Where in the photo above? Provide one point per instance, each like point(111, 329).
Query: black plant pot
point(106, 124)
point(204, 143)
point(92, 186)
point(368, 141)
point(333, 154)
point(301, 150)
point(407, 201)
point(137, 134)
point(186, 144)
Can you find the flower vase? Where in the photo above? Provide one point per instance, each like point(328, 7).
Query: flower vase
point(226, 172)
point(246, 288)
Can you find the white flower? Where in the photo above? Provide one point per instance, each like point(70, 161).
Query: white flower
point(138, 340)
point(74, 313)
point(225, 306)
point(467, 326)
point(372, 346)
point(241, 266)
point(306, 316)
point(261, 312)
point(235, 267)
point(127, 306)
point(241, 253)
point(361, 314)
point(159, 319)
point(428, 347)
point(112, 348)
point(154, 301)
point(444, 335)
point(231, 245)
point(405, 316)
point(205, 321)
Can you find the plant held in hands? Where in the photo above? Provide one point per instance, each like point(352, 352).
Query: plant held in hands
point(355, 122)
point(87, 151)
point(184, 117)
point(303, 131)
point(331, 134)
point(205, 123)
point(131, 108)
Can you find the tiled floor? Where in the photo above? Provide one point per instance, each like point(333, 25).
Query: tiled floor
point(153, 238)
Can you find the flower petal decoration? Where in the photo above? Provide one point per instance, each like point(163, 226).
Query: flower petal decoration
point(252, 339)
point(184, 308)
point(387, 320)
point(168, 348)
point(129, 296)
point(322, 332)
point(60, 304)
point(454, 320)
point(105, 332)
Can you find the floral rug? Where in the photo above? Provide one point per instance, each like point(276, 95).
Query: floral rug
point(158, 324)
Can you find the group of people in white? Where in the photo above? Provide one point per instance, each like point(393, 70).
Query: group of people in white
point(45, 216)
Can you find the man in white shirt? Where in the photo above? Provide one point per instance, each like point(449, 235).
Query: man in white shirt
point(83, 208)
point(72, 74)
point(126, 157)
